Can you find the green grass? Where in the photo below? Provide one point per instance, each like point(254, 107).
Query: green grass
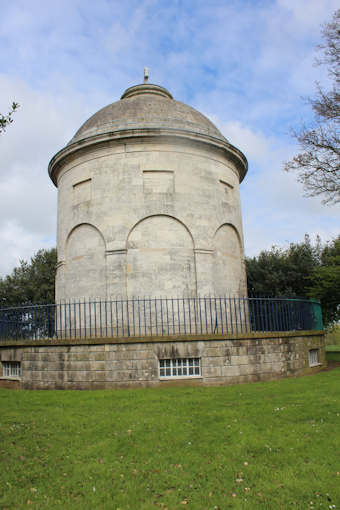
point(333, 352)
point(259, 446)
point(334, 348)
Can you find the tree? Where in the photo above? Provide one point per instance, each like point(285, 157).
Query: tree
point(30, 282)
point(5, 120)
point(283, 272)
point(318, 163)
point(325, 282)
point(302, 270)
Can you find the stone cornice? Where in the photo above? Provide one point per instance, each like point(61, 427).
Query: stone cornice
point(139, 135)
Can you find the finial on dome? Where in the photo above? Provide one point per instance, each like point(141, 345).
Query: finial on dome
point(146, 74)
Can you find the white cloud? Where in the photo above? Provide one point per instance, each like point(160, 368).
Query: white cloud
point(308, 14)
point(42, 125)
point(274, 208)
point(245, 63)
point(18, 242)
point(255, 144)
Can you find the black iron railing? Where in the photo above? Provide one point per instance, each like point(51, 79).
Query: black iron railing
point(138, 317)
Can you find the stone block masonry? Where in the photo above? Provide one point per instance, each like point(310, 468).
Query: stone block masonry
point(116, 363)
point(149, 203)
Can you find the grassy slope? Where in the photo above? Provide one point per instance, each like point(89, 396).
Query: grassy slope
point(260, 446)
point(333, 352)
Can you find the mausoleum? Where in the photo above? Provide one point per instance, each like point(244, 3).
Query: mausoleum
point(149, 203)
point(151, 284)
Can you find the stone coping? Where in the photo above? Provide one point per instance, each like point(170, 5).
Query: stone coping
point(159, 339)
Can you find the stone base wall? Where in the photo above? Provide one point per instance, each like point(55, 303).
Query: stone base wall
point(113, 363)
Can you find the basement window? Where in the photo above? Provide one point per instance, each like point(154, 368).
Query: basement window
point(313, 357)
point(11, 369)
point(180, 367)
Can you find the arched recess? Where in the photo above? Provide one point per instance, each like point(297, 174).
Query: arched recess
point(85, 274)
point(228, 271)
point(160, 258)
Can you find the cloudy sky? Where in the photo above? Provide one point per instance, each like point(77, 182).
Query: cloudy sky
point(246, 64)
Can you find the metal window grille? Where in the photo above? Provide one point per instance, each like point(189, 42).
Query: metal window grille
point(180, 367)
point(11, 369)
point(313, 357)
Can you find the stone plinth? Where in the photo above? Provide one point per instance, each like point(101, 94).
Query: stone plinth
point(113, 363)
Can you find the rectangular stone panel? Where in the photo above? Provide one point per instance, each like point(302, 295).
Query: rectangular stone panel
point(158, 181)
point(81, 191)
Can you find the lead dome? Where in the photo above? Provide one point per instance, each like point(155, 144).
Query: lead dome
point(147, 106)
point(148, 203)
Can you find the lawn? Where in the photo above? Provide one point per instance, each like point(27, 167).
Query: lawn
point(332, 348)
point(259, 446)
point(333, 352)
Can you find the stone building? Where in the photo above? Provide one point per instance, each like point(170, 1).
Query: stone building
point(148, 197)
point(148, 203)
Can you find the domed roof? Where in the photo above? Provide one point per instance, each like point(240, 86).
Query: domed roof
point(147, 106)
point(147, 110)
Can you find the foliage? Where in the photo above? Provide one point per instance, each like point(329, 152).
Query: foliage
point(302, 270)
point(30, 282)
point(318, 165)
point(5, 120)
point(260, 446)
point(333, 335)
point(325, 281)
point(283, 272)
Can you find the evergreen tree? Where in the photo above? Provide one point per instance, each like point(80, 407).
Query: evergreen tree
point(283, 272)
point(302, 270)
point(325, 281)
point(31, 282)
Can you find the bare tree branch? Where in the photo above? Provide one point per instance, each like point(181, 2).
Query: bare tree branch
point(318, 163)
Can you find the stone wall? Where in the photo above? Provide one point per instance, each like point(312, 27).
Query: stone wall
point(149, 218)
point(113, 363)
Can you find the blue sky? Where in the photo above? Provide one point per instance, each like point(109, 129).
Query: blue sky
point(244, 64)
